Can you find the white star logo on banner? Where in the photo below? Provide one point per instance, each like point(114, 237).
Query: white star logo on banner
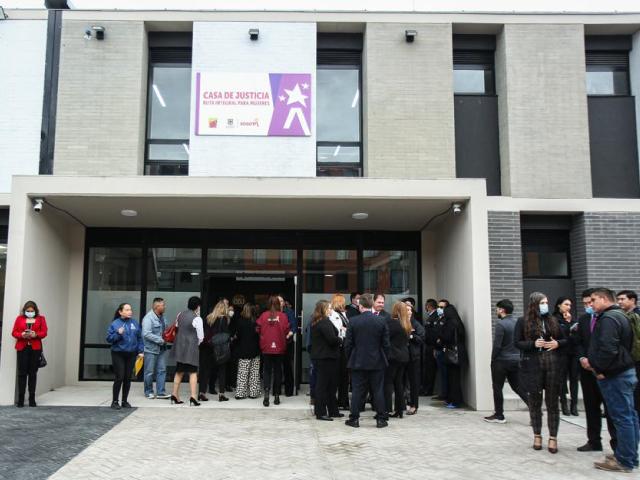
point(282, 98)
point(305, 86)
point(296, 96)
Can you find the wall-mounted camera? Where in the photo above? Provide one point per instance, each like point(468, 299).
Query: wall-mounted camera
point(456, 208)
point(96, 31)
point(38, 204)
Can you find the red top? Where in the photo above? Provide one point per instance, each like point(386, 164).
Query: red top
point(39, 327)
point(273, 333)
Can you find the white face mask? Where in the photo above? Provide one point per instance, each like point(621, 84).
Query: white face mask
point(30, 314)
point(231, 313)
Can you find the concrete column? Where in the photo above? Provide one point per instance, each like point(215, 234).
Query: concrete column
point(409, 125)
point(542, 101)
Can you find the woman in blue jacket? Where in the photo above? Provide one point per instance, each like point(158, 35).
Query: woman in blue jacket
point(125, 337)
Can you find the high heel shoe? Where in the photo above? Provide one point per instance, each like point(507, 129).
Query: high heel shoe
point(175, 400)
point(193, 402)
point(537, 442)
point(553, 449)
point(203, 398)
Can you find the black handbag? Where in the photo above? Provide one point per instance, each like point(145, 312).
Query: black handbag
point(42, 362)
point(452, 355)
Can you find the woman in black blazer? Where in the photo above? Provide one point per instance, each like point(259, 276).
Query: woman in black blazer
point(416, 341)
point(399, 332)
point(325, 351)
point(452, 337)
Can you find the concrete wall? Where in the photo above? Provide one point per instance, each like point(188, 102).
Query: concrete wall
point(544, 135)
point(43, 267)
point(634, 73)
point(101, 117)
point(605, 251)
point(409, 123)
point(22, 58)
point(462, 267)
point(505, 259)
point(226, 48)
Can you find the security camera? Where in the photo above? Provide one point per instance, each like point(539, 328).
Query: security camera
point(38, 204)
point(456, 208)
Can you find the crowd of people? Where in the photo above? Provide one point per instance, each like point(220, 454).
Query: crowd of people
point(549, 352)
point(386, 359)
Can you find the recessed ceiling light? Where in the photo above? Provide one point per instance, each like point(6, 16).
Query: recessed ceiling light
point(328, 275)
point(128, 213)
point(360, 216)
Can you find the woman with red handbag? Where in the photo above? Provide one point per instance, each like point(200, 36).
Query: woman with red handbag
point(29, 329)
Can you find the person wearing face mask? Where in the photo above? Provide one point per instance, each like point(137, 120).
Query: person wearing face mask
point(505, 360)
point(189, 336)
point(125, 337)
point(439, 353)
point(571, 366)
point(538, 336)
point(591, 396)
point(29, 329)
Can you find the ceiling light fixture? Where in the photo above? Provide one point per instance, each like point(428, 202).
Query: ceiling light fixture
point(360, 216)
point(128, 213)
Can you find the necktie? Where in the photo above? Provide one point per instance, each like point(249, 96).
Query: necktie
point(593, 322)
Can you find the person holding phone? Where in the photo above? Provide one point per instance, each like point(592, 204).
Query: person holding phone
point(125, 337)
point(29, 329)
point(538, 336)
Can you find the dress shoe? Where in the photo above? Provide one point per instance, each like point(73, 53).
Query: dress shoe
point(352, 422)
point(222, 398)
point(32, 402)
point(326, 418)
point(552, 446)
point(381, 423)
point(564, 406)
point(396, 414)
point(537, 442)
point(175, 400)
point(276, 400)
point(588, 447)
point(203, 398)
point(337, 415)
point(126, 404)
point(574, 409)
point(115, 405)
point(193, 402)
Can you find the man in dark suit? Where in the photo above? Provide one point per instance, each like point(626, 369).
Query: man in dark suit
point(352, 309)
point(367, 347)
point(590, 391)
point(378, 306)
point(430, 366)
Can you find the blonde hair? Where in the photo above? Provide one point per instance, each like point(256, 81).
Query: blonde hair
point(401, 314)
point(338, 302)
point(220, 310)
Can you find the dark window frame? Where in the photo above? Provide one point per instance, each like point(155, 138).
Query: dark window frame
point(545, 246)
point(326, 65)
point(469, 60)
point(180, 166)
point(608, 61)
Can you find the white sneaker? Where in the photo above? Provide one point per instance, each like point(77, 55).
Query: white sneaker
point(150, 396)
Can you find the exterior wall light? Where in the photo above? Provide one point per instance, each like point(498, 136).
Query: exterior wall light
point(128, 213)
point(360, 216)
point(253, 34)
point(410, 35)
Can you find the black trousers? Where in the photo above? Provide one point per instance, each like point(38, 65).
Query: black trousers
point(361, 381)
point(413, 374)
point(500, 371)
point(394, 383)
point(343, 380)
point(429, 371)
point(287, 370)
point(325, 402)
point(206, 370)
point(454, 383)
point(571, 376)
point(593, 403)
point(122, 368)
point(28, 361)
point(272, 371)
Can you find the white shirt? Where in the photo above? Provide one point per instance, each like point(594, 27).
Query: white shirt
point(337, 322)
point(198, 325)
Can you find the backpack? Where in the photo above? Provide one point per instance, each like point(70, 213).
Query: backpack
point(221, 347)
point(634, 320)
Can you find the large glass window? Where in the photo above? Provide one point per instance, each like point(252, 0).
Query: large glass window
point(473, 72)
point(392, 272)
point(169, 100)
point(607, 73)
point(338, 121)
point(114, 277)
point(545, 253)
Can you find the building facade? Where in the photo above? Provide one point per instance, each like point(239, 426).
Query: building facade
point(144, 135)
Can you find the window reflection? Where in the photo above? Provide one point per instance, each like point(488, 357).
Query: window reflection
point(392, 272)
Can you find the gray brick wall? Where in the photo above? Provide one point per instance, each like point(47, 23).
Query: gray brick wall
point(544, 132)
point(505, 258)
point(605, 251)
point(101, 100)
point(408, 124)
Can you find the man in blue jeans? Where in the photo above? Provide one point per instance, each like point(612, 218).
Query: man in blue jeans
point(610, 360)
point(155, 350)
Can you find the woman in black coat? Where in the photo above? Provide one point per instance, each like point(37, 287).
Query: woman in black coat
point(325, 351)
point(247, 350)
point(571, 363)
point(416, 341)
point(399, 330)
point(452, 338)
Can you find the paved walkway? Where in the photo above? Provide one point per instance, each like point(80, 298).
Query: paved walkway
point(243, 440)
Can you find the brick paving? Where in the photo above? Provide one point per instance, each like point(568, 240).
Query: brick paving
point(35, 442)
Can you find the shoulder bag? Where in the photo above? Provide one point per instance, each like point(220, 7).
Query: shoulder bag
point(169, 334)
